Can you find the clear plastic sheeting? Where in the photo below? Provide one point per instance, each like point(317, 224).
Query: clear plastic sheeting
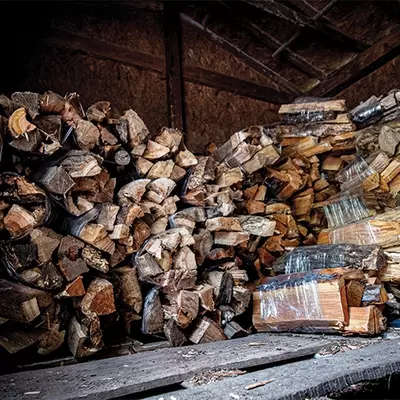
point(303, 303)
point(330, 256)
point(306, 116)
point(352, 177)
point(361, 115)
point(345, 210)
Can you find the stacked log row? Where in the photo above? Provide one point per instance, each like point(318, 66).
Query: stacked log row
point(107, 227)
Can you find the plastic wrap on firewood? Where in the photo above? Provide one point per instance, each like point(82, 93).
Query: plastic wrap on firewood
point(367, 258)
point(352, 177)
point(306, 302)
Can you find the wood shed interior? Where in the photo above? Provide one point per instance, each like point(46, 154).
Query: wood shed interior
point(230, 64)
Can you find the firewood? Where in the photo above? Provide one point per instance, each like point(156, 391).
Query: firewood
point(205, 293)
point(71, 269)
point(332, 163)
point(302, 204)
point(155, 151)
point(221, 253)
point(230, 238)
point(230, 177)
point(132, 192)
point(57, 180)
point(79, 342)
point(161, 169)
point(127, 288)
point(52, 340)
point(331, 301)
point(108, 215)
point(94, 259)
point(99, 298)
point(120, 231)
point(241, 298)
point(266, 156)
point(391, 171)
point(206, 331)
point(185, 259)
point(222, 282)
point(319, 130)
point(15, 339)
point(18, 124)
point(21, 303)
point(153, 318)
point(143, 166)
point(259, 226)
point(365, 320)
point(87, 135)
point(131, 129)
point(80, 164)
point(233, 330)
point(73, 289)
point(374, 294)
point(228, 147)
point(255, 207)
point(203, 244)
point(185, 159)
point(96, 235)
point(333, 105)
point(19, 221)
point(160, 189)
point(46, 241)
point(147, 267)
point(355, 291)
point(138, 151)
point(367, 258)
point(187, 308)
point(174, 333)
point(230, 224)
point(177, 173)
point(170, 138)
point(97, 112)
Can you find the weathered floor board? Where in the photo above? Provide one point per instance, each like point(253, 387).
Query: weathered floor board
point(105, 379)
point(303, 379)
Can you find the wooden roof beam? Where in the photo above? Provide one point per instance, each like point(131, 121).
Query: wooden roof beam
point(362, 65)
point(284, 12)
point(101, 49)
point(241, 54)
point(275, 44)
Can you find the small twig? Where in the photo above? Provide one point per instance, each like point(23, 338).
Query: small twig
point(258, 384)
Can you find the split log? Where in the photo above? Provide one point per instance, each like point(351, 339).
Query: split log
point(233, 330)
point(21, 303)
point(365, 320)
point(99, 298)
point(206, 331)
point(174, 333)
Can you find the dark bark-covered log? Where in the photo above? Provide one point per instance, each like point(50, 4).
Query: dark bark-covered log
point(153, 317)
point(330, 256)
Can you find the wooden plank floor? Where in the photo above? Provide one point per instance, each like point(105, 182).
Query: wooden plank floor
point(302, 379)
point(114, 377)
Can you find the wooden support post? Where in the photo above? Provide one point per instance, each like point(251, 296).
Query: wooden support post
point(172, 40)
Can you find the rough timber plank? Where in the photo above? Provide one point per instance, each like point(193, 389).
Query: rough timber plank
point(304, 379)
point(113, 377)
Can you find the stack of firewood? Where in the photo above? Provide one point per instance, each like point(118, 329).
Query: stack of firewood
point(107, 228)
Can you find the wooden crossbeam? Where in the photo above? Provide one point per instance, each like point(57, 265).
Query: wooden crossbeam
point(109, 51)
point(378, 54)
point(240, 53)
point(281, 11)
point(173, 51)
point(275, 44)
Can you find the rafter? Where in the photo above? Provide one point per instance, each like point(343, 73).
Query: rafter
point(101, 49)
point(275, 44)
point(378, 54)
point(240, 53)
point(281, 11)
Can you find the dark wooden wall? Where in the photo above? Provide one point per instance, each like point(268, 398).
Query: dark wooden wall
point(212, 115)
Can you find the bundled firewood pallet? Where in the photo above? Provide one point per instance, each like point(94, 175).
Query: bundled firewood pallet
point(107, 229)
